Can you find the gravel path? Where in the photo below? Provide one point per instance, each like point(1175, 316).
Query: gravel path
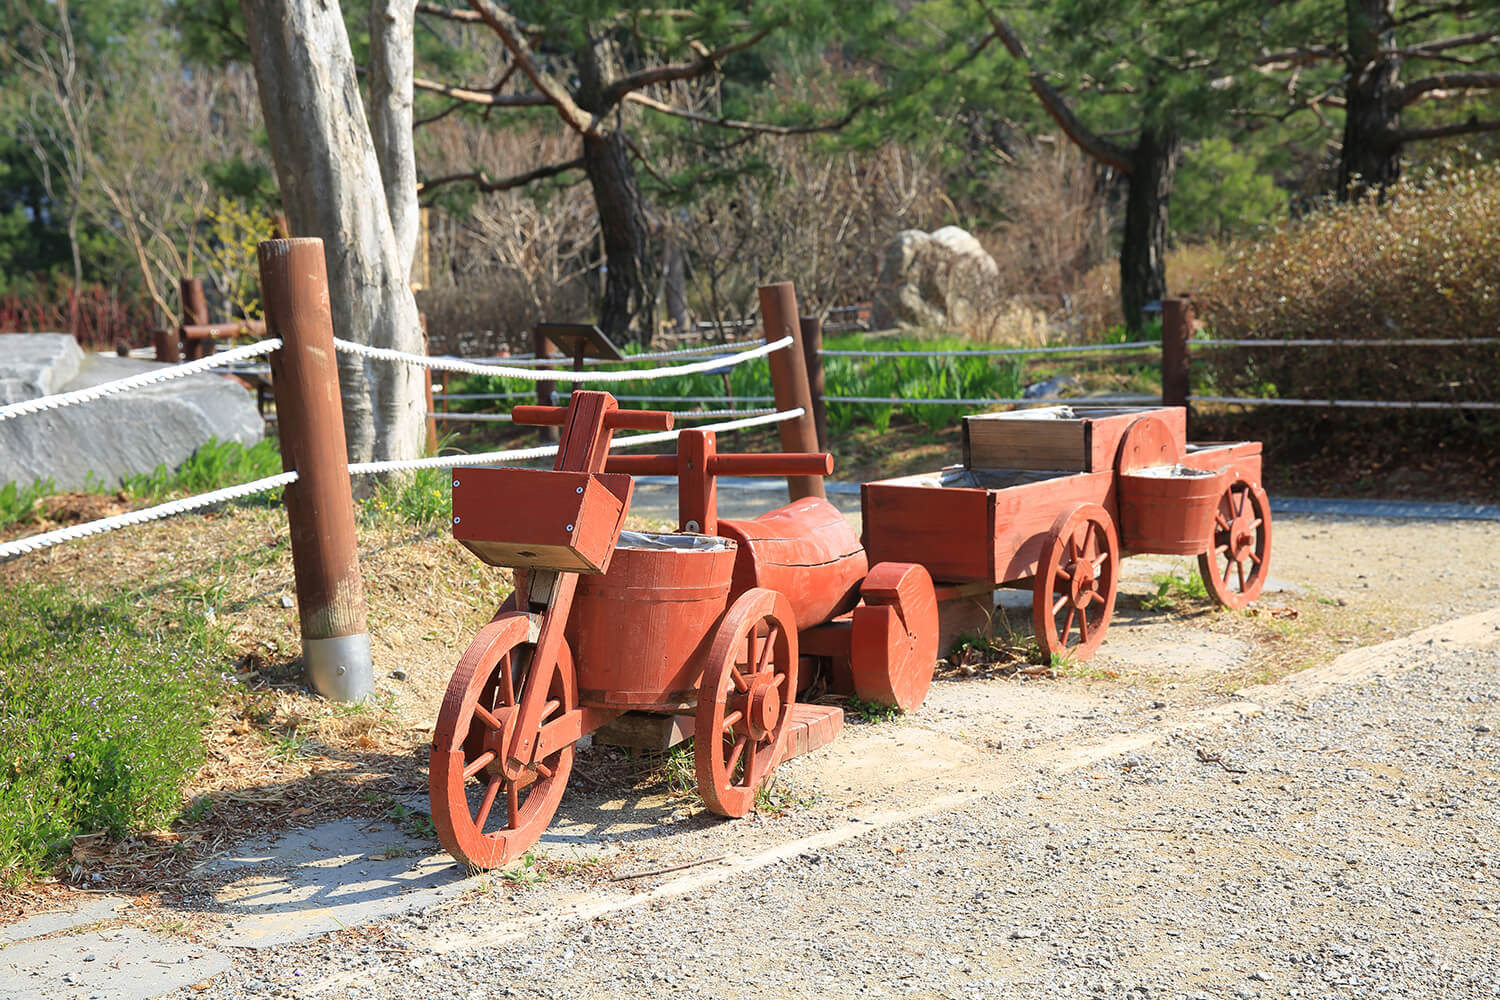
point(1338, 841)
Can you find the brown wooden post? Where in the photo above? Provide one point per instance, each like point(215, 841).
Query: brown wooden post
point(778, 311)
point(194, 313)
point(812, 351)
point(1176, 327)
point(320, 504)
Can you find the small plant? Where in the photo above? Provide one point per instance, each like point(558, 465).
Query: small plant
point(1171, 588)
point(674, 768)
point(776, 797)
point(23, 504)
point(213, 466)
point(872, 711)
point(524, 872)
point(423, 499)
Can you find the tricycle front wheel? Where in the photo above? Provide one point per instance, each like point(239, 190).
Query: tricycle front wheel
point(744, 700)
point(486, 814)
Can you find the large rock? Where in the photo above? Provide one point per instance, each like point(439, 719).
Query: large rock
point(36, 364)
point(115, 436)
point(943, 279)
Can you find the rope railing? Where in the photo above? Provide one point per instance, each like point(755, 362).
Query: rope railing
point(531, 361)
point(1365, 404)
point(716, 364)
point(139, 381)
point(185, 505)
point(505, 418)
point(1133, 345)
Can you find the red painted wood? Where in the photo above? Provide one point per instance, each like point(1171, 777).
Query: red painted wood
point(697, 489)
point(640, 632)
point(1151, 440)
point(806, 551)
point(895, 636)
point(1074, 594)
point(1169, 514)
point(810, 728)
point(946, 530)
point(536, 519)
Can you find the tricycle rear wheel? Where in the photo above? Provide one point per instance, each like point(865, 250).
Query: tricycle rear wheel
point(473, 727)
point(745, 699)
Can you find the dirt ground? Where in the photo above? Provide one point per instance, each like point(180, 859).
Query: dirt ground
point(279, 756)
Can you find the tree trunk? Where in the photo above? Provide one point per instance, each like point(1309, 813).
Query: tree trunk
point(629, 283)
point(391, 69)
point(1370, 157)
point(1143, 255)
point(331, 187)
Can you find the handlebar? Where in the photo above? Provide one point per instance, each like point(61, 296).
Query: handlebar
point(774, 464)
point(556, 416)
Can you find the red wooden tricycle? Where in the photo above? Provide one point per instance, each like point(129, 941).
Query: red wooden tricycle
point(706, 625)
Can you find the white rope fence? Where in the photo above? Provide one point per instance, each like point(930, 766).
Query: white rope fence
point(504, 418)
point(138, 381)
point(537, 375)
point(1133, 345)
point(171, 508)
point(46, 539)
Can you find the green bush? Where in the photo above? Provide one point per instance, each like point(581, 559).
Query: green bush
point(100, 721)
point(1425, 263)
point(21, 504)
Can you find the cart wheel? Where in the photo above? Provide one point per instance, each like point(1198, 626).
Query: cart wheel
point(507, 812)
point(745, 698)
point(895, 636)
point(1234, 567)
point(1076, 578)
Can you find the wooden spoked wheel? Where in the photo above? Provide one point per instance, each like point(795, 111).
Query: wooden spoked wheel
point(746, 696)
point(487, 812)
point(1234, 566)
point(1076, 580)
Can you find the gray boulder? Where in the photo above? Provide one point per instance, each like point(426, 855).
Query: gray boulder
point(36, 364)
point(944, 279)
point(115, 436)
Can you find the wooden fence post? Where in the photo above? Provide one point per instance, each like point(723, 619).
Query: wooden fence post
point(320, 504)
point(432, 428)
point(812, 350)
point(778, 312)
point(1176, 328)
point(194, 313)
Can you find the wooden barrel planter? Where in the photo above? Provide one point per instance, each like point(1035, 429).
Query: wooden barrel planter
point(640, 632)
point(1169, 508)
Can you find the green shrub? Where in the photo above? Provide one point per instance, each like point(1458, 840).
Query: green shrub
point(100, 721)
point(1425, 263)
point(423, 498)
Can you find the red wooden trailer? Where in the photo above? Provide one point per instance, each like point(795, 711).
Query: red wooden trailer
point(1053, 498)
point(705, 628)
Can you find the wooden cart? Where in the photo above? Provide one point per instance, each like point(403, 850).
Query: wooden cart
point(1053, 498)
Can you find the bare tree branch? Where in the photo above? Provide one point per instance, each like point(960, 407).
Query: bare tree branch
point(482, 182)
point(483, 97)
point(744, 126)
point(1448, 82)
point(449, 13)
point(1471, 127)
point(1105, 152)
point(513, 35)
point(707, 62)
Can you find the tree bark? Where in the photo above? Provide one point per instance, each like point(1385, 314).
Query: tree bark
point(391, 71)
point(1143, 255)
point(331, 187)
point(629, 284)
point(1370, 157)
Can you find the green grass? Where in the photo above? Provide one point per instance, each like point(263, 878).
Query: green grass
point(100, 720)
point(213, 466)
point(872, 711)
point(22, 504)
point(423, 498)
point(896, 378)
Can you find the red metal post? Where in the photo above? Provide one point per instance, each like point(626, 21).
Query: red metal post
point(320, 504)
point(812, 350)
point(778, 310)
point(1176, 327)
